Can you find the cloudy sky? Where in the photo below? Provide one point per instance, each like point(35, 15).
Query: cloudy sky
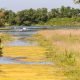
point(17, 5)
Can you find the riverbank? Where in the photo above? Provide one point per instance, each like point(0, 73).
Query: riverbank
point(54, 22)
point(6, 37)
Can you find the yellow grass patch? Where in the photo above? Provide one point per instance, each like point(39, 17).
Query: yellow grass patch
point(31, 53)
point(30, 72)
point(67, 39)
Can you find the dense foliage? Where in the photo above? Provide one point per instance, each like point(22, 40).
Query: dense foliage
point(31, 16)
point(77, 1)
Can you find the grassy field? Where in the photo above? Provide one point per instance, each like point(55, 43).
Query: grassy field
point(5, 28)
point(64, 50)
point(62, 47)
point(30, 72)
point(6, 37)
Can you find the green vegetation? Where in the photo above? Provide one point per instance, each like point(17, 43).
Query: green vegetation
point(63, 50)
point(66, 58)
point(64, 16)
point(77, 1)
point(63, 22)
point(5, 37)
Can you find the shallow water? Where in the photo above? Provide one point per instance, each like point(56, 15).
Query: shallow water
point(20, 42)
point(8, 60)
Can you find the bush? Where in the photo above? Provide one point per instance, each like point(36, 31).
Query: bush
point(26, 23)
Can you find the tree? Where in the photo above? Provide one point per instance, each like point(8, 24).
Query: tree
point(77, 1)
point(53, 13)
point(2, 15)
point(65, 12)
point(41, 14)
point(32, 16)
point(10, 17)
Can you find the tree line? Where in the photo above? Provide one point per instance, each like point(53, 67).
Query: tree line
point(31, 16)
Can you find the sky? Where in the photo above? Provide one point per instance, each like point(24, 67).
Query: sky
point(17, 5)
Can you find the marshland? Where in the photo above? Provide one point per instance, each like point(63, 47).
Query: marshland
point(43, 53)
point(40, 40)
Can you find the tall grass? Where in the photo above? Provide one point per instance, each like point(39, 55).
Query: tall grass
point(5, 37)
point(63, 49)
point(65, 57)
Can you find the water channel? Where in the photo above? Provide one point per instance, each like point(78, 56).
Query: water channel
point(19, 42)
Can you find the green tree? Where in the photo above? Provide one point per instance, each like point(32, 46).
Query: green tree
point(77, 1)
point(2, 15)
point(10, 17)
point(41, 14)
point(65, 12)
point(53, 13)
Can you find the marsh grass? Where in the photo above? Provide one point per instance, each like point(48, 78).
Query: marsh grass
point(52, 52)
point(6, 37)
point(63, 48)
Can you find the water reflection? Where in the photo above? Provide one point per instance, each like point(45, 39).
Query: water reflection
point(19, 42)
point(20, 60)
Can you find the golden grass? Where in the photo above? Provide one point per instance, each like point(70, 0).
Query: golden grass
point(66, 50)
point(6, 37)
point(31, 53)
point(69, 39)
point(29, 72)
point(51, 33)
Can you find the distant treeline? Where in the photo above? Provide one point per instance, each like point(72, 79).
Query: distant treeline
point(31, 16)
